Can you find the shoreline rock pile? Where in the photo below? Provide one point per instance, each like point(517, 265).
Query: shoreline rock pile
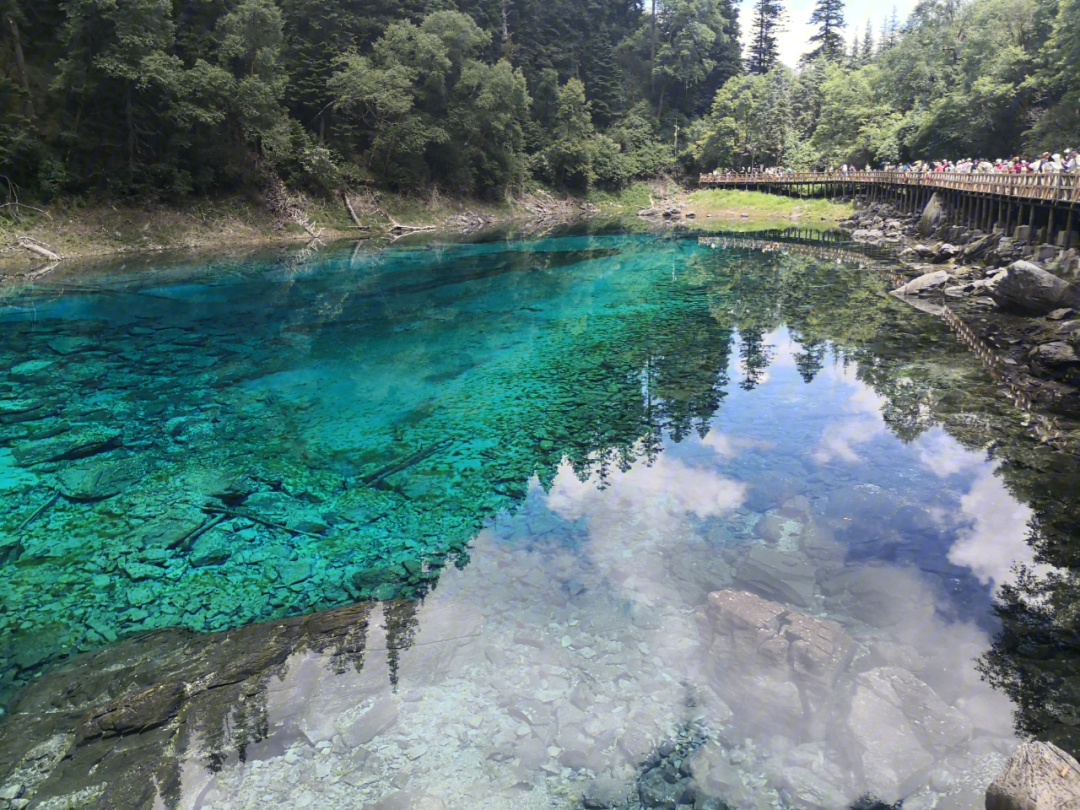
point(928, 237)
point(1020, 298)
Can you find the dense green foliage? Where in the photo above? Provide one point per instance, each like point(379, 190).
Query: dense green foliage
point(167, 97)
point(159, 98)
point(984, 78)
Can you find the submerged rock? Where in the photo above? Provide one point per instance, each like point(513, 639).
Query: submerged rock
point(371, 723)
point(120, 720)
point(72, 445)
point(171, 530)
point(664, 789)
point(210, 549)
point(70, 345)
point(770, 528)
point(896, 727)
point(605, 792)
point(784, 576)
point(97, 481)
point(805, 789)
point(777, 668)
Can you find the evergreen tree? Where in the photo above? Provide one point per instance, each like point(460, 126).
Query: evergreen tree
point(317, 33)
point(168, 97)
point(104, 74)
point(604, 85)
point(808, 96)
point(889, 30)
point(828, 15)
point(867, 44)
point(768, 22)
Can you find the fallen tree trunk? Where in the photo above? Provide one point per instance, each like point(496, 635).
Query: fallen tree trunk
point(34, 246)
point(352, 211)
point(397, 226)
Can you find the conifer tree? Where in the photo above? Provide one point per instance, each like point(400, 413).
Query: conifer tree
point(856, 52)
point(768, 22)
point(867, 44)
point(889, 30)
point(828, 15)
point(604, 86)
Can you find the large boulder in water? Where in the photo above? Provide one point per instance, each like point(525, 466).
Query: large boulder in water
point(774, 573)
point(896, 728)
point(1028, 289)
point(781, 668)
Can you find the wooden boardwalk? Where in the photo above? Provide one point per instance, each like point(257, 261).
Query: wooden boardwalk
point(1050, 189)
point(1036, 208)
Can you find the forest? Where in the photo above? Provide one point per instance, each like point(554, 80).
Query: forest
point(162, 99)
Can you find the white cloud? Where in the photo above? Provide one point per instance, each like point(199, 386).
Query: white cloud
point(942, 454)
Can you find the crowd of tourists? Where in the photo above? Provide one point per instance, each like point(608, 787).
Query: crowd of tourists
point(1066, 161)
point(1046, 163)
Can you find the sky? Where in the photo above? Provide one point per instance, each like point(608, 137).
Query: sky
point(794, 42)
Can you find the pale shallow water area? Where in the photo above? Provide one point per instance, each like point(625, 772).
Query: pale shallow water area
point(601, 519)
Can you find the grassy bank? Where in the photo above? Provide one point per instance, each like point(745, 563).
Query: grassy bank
point(634, 197)
point(723, 210)
point(733, 206)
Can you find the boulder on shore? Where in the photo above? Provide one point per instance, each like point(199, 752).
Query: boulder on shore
point(1038, 776)
point(1055, 353)
point(1028, 289)
point(927, 281)
point(932, 216)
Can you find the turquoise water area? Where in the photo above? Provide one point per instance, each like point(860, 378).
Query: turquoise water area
point(574, 440)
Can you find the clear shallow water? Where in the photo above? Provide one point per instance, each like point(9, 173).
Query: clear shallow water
point(565, 446)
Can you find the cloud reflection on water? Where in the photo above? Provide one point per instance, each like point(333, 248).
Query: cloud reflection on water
point(572, 644)
point(993, 526)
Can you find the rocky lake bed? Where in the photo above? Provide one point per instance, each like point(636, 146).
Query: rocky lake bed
point(600, 520)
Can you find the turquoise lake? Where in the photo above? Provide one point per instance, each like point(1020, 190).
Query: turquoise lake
point(601, 518)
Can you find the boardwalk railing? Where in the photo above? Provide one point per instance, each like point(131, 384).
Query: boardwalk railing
point(1051, 189)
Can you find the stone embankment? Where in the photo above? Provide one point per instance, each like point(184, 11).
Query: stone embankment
point(1018, 296)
